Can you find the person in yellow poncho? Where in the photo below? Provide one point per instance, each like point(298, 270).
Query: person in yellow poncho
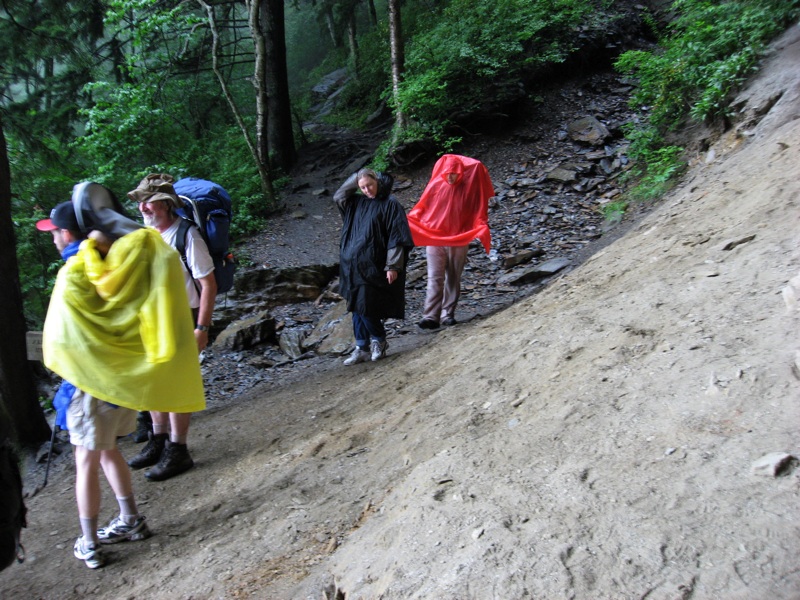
point(119, 328)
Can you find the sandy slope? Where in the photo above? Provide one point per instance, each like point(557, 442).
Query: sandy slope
point(594, 441)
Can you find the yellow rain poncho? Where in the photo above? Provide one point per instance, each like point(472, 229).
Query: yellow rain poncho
point(120, 327)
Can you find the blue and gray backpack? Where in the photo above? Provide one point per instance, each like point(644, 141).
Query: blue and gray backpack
point(208, 207)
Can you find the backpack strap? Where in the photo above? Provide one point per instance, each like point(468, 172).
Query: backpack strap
point(180, 246)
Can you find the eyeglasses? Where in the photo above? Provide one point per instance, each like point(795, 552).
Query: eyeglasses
point(146, 202)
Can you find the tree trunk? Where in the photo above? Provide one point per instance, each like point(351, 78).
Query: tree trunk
point(373, 15)
point(280, 138)
point(352, 40)
point(331, 23)
point(19, 404)
point(254, 9)
point(398, 62)
point(259, 149)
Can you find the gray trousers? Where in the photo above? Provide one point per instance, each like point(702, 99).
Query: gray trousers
point(445, 265)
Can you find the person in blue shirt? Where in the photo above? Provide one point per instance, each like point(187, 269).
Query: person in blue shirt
point(67, 237)
point(94, 426)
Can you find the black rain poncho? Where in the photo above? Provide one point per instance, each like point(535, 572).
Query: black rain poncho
point(375, 231)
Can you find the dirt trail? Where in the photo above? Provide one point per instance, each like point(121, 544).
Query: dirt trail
point(593, 441)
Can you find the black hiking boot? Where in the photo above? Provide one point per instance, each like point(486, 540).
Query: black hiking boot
point(144, 426)
point(151, 453)
point(174, 461)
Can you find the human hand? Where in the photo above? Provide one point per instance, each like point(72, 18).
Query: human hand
point(102, 241)
point(201, 337)
point(391, 276)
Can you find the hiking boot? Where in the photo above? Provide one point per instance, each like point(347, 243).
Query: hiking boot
point(174, 461)
point(151, 453)
point(144, 426)
point(89, 552)
point(119, 531)
point(449, 321)
point(378, 349)
point(428, 324)
point(358, 356)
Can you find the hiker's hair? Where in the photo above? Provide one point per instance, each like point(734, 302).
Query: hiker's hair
point(367, 173)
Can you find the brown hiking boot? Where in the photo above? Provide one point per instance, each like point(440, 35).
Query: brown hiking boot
point(151, 453)
point(174, 461)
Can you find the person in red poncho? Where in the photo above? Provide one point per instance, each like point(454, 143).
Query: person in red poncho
point(452, 211)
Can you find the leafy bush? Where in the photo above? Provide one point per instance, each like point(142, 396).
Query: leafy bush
point(452, 69)
point(705, 55)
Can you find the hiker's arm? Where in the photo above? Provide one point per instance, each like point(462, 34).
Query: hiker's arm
point(208, 294)
point(346, 191)
point(395, 262)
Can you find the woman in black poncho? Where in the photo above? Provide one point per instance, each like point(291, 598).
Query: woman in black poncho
point(372, 254)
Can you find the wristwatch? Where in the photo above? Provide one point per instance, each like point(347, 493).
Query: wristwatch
point(201, 327)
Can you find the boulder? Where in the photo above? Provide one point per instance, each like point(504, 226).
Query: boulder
point(246, 333)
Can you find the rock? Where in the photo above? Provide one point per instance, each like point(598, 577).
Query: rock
point(270, 287)
point(331, 81)
point(588, 130)
point(791, 294)
point(773, 464)
point(520, 257)
point(246, 333)
point(532, 274)
point(333, 334)
point(290, 343)
point(562, 174)
point(731, 244)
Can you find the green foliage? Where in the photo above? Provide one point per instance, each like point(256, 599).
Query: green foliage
point(708, 51)
point(42, 180)
point(614, 211)
point(455, 66)
point(706, 54)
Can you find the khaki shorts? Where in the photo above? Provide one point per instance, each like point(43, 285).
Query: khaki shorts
point(95, 424)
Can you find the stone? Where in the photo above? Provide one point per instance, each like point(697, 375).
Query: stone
point(588, 130)
point(246, 333)
point(773, 464)
point(290, 343)
point(563, 175)
point(333, 334)
point(519, 258)
point(273, 287)
point(533, 273)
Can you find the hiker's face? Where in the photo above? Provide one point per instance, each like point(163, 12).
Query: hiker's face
point(155, 213)
point(59, 239)
point(368, 186)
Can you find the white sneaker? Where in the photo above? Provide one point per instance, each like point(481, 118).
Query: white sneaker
point(89, 552)
point(378, 349)
point(358, 356)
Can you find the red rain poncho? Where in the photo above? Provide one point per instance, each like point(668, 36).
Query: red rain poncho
point(454, 215)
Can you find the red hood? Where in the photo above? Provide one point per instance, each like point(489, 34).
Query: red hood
point(453, 214)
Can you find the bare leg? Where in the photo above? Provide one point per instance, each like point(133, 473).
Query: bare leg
point(87, 482)
point(160, 422)
point(117, 472)
point(179, 427)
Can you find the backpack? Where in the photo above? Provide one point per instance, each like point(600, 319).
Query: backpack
point(207, 206)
